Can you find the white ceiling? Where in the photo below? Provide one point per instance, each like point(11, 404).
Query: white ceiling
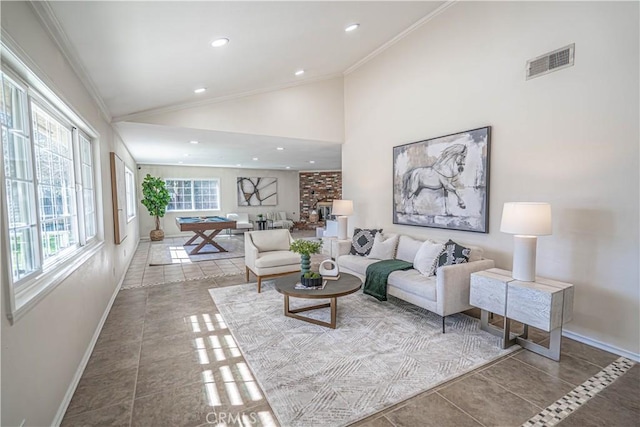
point(144, 55)
point(153, 144)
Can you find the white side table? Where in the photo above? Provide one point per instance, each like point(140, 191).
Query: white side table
point(545, 304)
point(331, 246)
point(488, 291)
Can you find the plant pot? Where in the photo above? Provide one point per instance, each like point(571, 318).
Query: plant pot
point(310, 283)
point(156, 235)
point(305, 263)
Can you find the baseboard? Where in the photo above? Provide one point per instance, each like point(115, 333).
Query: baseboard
point(62, 409)
point(602, 346)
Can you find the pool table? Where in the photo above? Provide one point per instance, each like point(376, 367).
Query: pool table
point(199, 225)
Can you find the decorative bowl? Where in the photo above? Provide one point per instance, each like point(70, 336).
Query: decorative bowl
point(311, 283)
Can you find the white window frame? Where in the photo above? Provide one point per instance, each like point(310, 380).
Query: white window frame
point(25, 293)
point(193, 208)
point(130, 190)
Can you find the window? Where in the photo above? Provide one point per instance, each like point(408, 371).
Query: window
point(88, 190)
point(131, 193)
point(19, 181)
point(193, 194)
point(55, 181)
point(49, 187)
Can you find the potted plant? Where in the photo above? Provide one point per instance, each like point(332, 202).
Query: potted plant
point(156, 199)
point(311, 279)
point(305, 248)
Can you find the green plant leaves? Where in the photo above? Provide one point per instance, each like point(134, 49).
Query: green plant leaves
point(156, 196)
point(305, 247)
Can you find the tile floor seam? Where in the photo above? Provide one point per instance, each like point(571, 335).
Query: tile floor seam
point(93, 410)
point(537, 369)
point(385, 417)
point(135, 384)
point(548, 373)
point(143, 396)
point(460, 409)
point(512, 392)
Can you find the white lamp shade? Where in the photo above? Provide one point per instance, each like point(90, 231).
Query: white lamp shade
point(342, 207)
point(526, 218)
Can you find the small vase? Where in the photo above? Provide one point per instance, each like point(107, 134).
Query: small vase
point(305, 263)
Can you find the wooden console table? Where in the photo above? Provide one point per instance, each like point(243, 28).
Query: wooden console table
point(544, 304)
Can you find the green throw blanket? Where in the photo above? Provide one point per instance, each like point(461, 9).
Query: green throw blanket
point(375, 283)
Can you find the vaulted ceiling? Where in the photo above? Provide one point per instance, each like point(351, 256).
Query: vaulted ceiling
point(140, 57)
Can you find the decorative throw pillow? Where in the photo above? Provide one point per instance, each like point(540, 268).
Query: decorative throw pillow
point(408, 248)
point(453, 253)
point(426, 260)
point(362, 241)
point(383, 248)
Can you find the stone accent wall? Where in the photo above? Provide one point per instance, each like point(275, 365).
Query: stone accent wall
point(318, 187)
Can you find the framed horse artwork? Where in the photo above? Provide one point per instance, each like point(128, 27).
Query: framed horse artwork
point(443, 182)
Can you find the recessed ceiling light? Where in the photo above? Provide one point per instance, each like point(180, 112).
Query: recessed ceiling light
point(238, 164)
point(312, 161)
point(351, 27)
point(299, 72)
point(180, 162)
point(280, 148)
point(200, 90)
point(186, 155)
point(220, 42)
point(193, 142)
point(287, 167)
point(255, 158)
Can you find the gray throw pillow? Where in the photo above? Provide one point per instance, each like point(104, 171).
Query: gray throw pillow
point(362, 241)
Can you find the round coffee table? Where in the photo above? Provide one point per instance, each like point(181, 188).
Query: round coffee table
point(345, 285)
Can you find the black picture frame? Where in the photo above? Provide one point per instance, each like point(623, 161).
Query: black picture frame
point(443, 182)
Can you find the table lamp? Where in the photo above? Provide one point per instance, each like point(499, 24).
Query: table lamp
point(341, 209)
point(526, 220)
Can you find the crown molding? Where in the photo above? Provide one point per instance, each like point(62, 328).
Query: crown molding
point(400, 36)
point(220, 99)
point(19, 61)
point(54, 28)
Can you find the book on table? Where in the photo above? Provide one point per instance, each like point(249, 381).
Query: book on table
point(301, 286)
point(331, 277)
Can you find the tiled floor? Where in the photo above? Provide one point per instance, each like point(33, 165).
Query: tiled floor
point(140, 273)
point(165, 358)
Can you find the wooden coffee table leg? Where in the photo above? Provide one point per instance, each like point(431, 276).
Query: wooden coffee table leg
point(293, 313)
point(334, 312)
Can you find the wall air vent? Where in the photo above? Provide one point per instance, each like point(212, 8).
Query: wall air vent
point(552, 61)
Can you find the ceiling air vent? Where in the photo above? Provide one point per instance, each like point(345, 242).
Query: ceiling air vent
point(552, 61)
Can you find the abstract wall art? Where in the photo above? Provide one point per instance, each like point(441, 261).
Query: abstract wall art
point(257, 191)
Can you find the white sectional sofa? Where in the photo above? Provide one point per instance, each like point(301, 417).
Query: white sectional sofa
point(445, 293)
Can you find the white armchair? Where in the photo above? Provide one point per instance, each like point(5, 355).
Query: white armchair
point(242, 221)
point(280, 220)
point(267, 254)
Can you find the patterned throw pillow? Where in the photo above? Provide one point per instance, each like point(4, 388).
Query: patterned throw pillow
point(453, 253)
point(362, 241)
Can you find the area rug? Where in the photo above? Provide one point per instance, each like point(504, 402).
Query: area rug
point(380, 354)
point(174, 251)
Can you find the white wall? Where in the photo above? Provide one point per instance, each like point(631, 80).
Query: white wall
point(288, 193)
point(569, 138)
point(311, 111)
point(43, 350)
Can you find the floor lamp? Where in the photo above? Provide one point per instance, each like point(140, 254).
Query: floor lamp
point(341, 209)
point(526, 220)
